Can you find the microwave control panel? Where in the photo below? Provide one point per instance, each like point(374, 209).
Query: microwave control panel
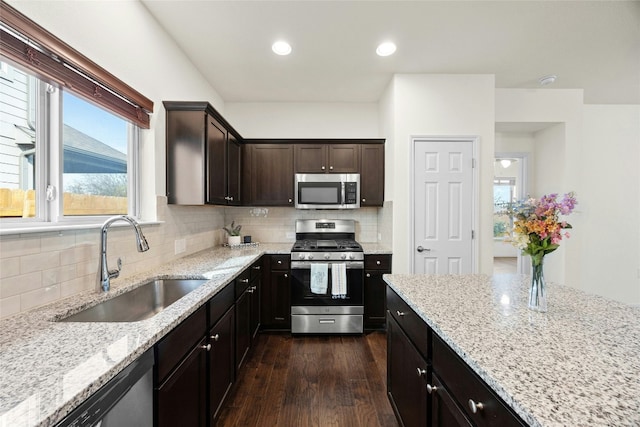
point(350, 192)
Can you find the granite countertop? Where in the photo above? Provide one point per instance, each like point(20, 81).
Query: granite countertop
point(47, 368)
point(576, 365)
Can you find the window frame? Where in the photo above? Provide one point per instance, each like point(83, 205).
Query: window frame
point(49, 212)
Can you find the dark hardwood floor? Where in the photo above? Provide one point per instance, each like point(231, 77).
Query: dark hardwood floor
point(312, 381)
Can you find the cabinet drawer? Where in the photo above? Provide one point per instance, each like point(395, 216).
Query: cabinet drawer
point(415, 328)
point(173, 347)
point(465, 386)
point(242, 282)
point(280, 262)
point(220, 303)
point(377, 262)
point(256, 270)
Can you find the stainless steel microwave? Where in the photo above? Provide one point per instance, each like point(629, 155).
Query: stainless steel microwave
point(327, 190)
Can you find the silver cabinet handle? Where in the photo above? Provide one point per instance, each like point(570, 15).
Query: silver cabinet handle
point(364, 200)
point(279, 261)
point(400, 313)
point(206, 347)
point(378, 262)
point(323, 168)
point(431, 388)
point(286, 275)
point(330, 168)
point(254, 288)
point(244, 280)
point(368, 274)
point(256, 267)
point(475, 406)
point(421, 372)
point(290, 200)
point(215, 337)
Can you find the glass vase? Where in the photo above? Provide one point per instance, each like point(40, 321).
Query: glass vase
point(538, 290)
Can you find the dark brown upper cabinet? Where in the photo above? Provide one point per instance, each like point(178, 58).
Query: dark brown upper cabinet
point(371, 175)
point(203, 156)
point(267, 174)
point(327, 158)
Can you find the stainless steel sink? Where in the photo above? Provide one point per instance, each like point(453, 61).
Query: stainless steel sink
point(140, 303)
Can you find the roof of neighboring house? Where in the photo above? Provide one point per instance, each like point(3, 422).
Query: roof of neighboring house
point(84, 154)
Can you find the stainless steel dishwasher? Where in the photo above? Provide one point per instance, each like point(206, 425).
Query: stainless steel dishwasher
point(126, 400)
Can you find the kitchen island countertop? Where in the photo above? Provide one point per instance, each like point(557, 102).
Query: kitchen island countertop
point(576, 365)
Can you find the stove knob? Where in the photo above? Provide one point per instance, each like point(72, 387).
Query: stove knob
point(327, 256)
point(310, 256)
point(301, 256)
point(343, 256)
point(351, 256)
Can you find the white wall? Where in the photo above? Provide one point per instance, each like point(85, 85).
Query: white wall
point(303, 120)
point(441, 105)
point(610, 201)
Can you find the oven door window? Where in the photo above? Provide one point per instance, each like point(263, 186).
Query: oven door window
point(302, 295)
point(320, 193)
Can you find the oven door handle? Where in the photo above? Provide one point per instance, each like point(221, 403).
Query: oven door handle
point(306, 265)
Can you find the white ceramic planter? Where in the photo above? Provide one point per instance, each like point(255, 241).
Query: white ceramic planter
point(234, 240)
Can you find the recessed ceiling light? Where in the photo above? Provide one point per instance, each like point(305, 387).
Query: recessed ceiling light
point(386, 49)
point(281, 48)
point(547, 80)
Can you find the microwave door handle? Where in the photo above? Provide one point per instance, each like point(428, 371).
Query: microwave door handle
point(344, 193)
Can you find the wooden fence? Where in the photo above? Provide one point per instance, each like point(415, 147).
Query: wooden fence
point(22, 203)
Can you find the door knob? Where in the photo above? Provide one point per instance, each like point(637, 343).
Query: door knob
point(421, 249)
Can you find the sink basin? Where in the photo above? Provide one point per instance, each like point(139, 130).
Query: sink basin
point(140, 303)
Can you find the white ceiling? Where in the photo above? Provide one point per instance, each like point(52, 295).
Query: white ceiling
point(593, 45)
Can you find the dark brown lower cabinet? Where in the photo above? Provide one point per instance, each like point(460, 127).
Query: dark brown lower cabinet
point(182, 398)
point(243, 328)
point(429, 384)
point(275, 292)
point(221, 362)
point(406, 378)
point(375, 301)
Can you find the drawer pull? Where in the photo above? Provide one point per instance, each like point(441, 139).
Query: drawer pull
point(431, 388)
point(215, 337)
point(400, 313)
point(279, 262)
point(244, 280)
point(256, 267)
point(475, 406)
point(368, 274)
point(206, 347)
point(422, 372)
point(286, 275)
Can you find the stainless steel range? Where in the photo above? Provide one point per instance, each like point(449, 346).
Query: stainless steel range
point(327, 276)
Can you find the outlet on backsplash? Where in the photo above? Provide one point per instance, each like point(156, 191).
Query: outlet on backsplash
point(180, 246)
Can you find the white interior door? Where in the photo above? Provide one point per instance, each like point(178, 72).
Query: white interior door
point(443, 206)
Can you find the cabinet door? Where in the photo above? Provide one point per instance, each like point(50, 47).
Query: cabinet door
point(182, 398)
point(254, 315)
point(444, 412)
point(281, 299)
point(233, 173)
point(344, 158)
point(372, 175)
point(310, 158)
point(221, 362)
point(375, 301)
point(185, 145)
point(267, 175)
point(406, 377)
point(243, 327)
point(216, 163)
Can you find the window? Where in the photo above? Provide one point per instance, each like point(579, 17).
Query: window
point(68, 130)
point(504, 192)
point(51, 139)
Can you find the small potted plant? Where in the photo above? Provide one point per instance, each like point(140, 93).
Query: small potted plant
point(233, 232)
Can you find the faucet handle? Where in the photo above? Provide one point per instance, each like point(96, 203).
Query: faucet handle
point(119, 262)
point(115, 273)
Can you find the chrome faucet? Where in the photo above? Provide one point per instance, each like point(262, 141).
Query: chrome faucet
point(105, 275)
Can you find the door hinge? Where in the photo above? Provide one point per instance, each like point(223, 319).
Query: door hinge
point(473, 234)
point(473, 163)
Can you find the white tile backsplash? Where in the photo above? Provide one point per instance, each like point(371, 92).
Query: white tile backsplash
point(38, 268)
